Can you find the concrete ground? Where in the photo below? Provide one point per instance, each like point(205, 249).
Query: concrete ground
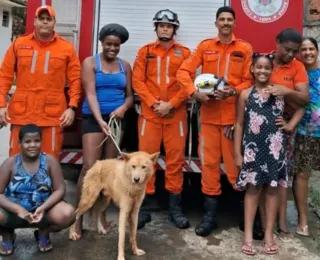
point(161, 240)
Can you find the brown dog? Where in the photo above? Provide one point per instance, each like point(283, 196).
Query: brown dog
point(123, 181)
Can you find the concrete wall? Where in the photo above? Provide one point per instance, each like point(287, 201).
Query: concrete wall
point(5, 32)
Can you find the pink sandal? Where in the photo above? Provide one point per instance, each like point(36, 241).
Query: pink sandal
point(285, 236)
point(270, 248)
point(248, 248)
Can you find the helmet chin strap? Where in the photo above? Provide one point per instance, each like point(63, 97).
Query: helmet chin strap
point(165, 39)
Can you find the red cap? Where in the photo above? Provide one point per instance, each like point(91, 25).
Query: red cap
point(47, 8)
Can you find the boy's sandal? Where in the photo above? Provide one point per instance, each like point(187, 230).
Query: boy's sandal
point(270, 248)
point(285, 236)
point(303, 231)
point(248, 248)
point(7, 248)
point(44, 243)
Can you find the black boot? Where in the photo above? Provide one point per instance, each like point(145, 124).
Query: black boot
point(175, 212)
point(208, 222)
point(144, 215)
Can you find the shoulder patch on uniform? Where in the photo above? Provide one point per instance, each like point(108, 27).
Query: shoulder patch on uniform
point(178, 52)
point(186, 51)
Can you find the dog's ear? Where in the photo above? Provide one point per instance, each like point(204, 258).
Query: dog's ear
point(126, 156)
point(154, 157)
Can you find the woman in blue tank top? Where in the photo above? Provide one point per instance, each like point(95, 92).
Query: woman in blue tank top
point(106, 81)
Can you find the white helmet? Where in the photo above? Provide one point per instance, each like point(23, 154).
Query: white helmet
point(208, 83)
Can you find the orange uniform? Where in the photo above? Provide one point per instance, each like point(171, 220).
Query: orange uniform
point(154, 79)
point(232, 61)
point(289, 74)
point(42, 72)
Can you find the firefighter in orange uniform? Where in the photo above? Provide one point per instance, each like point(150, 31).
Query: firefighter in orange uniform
point(228, 57)
point(42, 62)
point(163, 110)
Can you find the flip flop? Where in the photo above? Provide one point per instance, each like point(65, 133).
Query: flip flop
point(248, 249)
point(303, 231)
point(270, 248)
point(284, 236)
point(43, 242)
point(6, 246)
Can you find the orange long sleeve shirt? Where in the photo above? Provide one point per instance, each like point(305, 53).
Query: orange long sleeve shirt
point(232, 61)
point(42, 73)
point(154, 78)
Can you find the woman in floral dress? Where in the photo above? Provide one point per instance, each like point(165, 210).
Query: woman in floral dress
point(260, 150)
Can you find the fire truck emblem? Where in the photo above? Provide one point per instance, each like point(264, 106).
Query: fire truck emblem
point(265, 11)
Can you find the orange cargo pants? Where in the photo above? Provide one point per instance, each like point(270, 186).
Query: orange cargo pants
point(173, 136)
point(52, 140)
point(212, 144)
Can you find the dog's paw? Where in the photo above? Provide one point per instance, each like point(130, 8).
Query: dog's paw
point(138, 252)
point(73, 235)
point(102, 231)
point(121, 258)
point(105, 229)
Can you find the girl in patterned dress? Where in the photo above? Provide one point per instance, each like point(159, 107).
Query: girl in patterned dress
point(260, 150)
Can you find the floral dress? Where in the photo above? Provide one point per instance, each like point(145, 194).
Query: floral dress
point(263, 145)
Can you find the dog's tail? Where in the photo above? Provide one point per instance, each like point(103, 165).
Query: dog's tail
point(91, 189)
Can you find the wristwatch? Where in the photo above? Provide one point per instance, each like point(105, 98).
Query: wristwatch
point(73, 108)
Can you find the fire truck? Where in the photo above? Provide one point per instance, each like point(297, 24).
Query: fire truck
point(79, 21)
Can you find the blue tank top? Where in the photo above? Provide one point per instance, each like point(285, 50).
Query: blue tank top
point(110, 89)
point(29, 190)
